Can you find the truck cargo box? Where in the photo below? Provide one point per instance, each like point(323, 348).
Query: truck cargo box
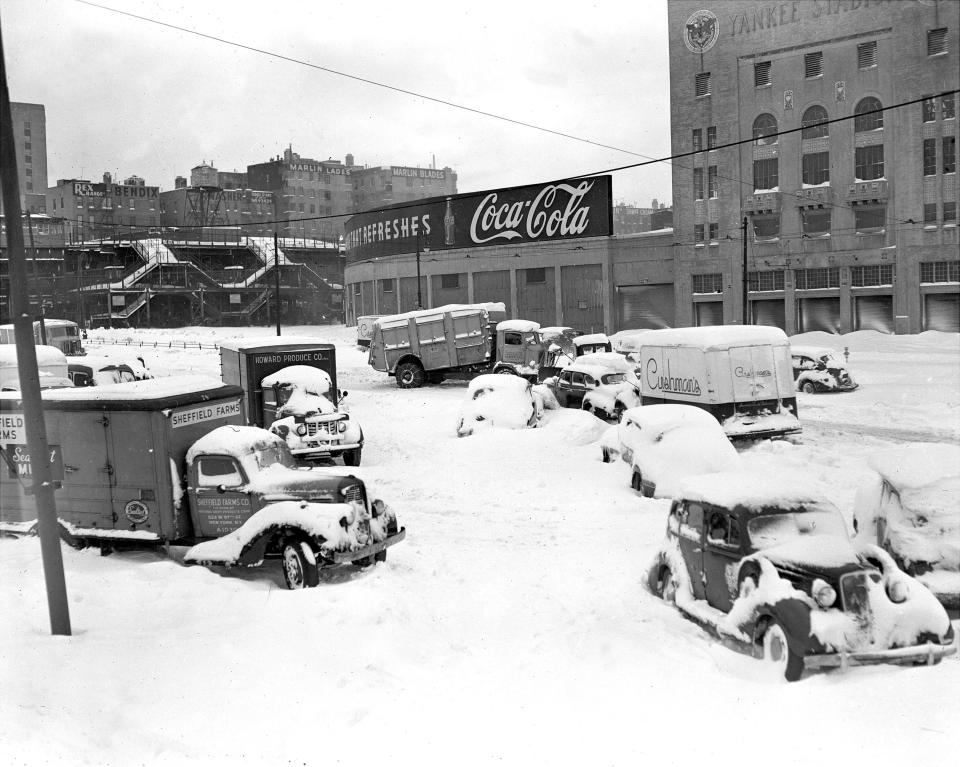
point(117, 453)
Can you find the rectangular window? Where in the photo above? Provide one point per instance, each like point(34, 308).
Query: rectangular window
point(928, 108)
point(929, 157)
point(27, 158)
point(450, 281)
point(949, 154)
point(766, 174)
point(817, 279)
point(867, 55)
point(712, 134)
point(930, 213)
point(714, 231)
point(940, 271)
point(947, 108)
point(870, 220)
point(878, 275)
point(27, 145)
point(813, 65)
point(712, 181)
point(702, 87)
point(761, 74)
point(707, 283)
point(387, 286)
point(698, 183)
point(937, 41)
point(816, 221)
point(765, 281)
point(816, 168)
point(766, 227)
point(868, 162)
point(698, 233)
point(538, 275)
point(697, 139)
point(950, 213)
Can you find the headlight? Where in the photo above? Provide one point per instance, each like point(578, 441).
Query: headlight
point(898, 591)
point(823, 593)
point(379, 507)
point(302, 429)
point(342, 426)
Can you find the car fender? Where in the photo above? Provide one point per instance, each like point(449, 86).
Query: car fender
point(793, 615)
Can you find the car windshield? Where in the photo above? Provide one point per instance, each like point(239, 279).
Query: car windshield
point(612, 378)
point(830, 360)
point(773, 529)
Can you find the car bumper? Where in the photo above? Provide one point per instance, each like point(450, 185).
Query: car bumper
point(926, 653)
point(325, 448)
point(345, 557)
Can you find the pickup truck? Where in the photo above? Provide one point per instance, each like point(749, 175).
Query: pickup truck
point(455, 341)
point(168, 462)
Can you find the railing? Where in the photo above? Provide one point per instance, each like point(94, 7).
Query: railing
point(149, 344)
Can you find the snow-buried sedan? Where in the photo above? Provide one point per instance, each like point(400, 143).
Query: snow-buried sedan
point(768, 564)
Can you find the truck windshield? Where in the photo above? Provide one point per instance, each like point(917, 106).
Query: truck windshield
point(773, 529)
point(277, 453)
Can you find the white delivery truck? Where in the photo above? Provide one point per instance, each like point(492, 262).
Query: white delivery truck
point(740, 374)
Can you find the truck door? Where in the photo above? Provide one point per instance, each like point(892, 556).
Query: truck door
point(511, 350)
point(690, 538)
point(468, 337)
point(218, 499)
point(754, 373)
point(134, 484)
point(87, 470)
point(433, 342)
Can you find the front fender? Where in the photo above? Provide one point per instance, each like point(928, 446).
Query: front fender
point(794, 616)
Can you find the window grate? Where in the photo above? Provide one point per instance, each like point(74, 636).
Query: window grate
point(867, 55)
point(928, 108)
point(712, 189)
point(698, 183)
point(877, 275)
point(697, 139)
point(816, 168)
point(707, 283)
point(929, 157)
point(937, 41)
point(930, 213)
point(766, 174)
point(818, 278)
point(868, 162)
point(702, 86)
point(767, 281)
point(712, 132)
point(868, 115)
point(813, 65)
point(940, 271)
point(698, 232)
point(450, 281)
point(811, 117)
point(949, 147)
point(816, 222)
point(870, 219)
point(761, 74)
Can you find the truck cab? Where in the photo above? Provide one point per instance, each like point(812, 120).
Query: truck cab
point(520, 349)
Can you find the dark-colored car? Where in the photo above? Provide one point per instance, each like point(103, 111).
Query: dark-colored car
point(817, 369)
point(772, 567)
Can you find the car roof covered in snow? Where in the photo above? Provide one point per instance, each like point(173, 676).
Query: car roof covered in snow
point(601, 363)
point(715, 337)
point(152, 394)
point(591, 338)
point(751, 490)
point(668, 415)
point(917, 465)
point(520, 326)
point(499, 382)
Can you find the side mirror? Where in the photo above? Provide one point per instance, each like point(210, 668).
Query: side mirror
point(343, 394)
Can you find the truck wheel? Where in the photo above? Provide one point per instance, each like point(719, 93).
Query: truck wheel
point(380, 556)
point(410, 375)
point(300, 569)
point(352, 457)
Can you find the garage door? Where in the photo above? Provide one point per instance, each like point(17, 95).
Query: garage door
point(645, 306)
point(708, 313)
point(941, 311)
point(770, 312)
point(581, 294)
point(491, 287)
point(818, 314)
point(874, 313)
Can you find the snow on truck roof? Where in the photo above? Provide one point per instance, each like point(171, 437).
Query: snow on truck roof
point(235, 441)
point(520, 326)
point(496, 306)
point(300, 377)
point(252, 344)
point(152, 394)
point(591, 338)
point(715, 337)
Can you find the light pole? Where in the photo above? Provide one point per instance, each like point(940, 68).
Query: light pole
point(419, 290)
point(746, 305)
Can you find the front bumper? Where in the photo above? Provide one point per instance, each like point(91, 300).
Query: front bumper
point(345, 557)
point(928, 653)
point(324, 448)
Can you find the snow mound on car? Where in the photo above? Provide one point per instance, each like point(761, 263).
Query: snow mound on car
point(574, 427)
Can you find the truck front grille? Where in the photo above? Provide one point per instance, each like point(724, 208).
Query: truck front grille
point(353, 493)
point(322, 427)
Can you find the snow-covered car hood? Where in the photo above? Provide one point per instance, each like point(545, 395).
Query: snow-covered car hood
point(279, 480)
point(504, 401)
point(683, 451)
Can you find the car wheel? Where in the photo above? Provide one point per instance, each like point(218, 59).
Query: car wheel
point(778, 655)
point(410, 375)
point(666, 587)
point(636, 481)
point(618, 412)
point(352, 457)
point(380, 556)
point(809, 388)
point(606, 455)
point(300, 570)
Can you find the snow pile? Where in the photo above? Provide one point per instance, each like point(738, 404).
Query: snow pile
point(518, 326)
point(573, 427)
point(504, 401)
point(754, 490)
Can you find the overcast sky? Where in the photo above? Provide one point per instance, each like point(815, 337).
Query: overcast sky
point(133, 97)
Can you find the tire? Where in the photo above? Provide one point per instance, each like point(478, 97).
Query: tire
point(298, 571)
point(380, 556)
point(808, 388)
point(636, 481)
point(606, 455)
point(410, 375)
point(666, 586)
point(586, 407)
point(618, 412)
point(778, 655)
point(352, 457)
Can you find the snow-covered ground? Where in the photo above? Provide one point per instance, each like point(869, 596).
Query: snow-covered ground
point(510, 627)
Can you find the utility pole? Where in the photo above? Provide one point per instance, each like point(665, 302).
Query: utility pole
point(276, 279)
point(746, 305)
point(34, 427)
point(419, 290)
point(36, 283)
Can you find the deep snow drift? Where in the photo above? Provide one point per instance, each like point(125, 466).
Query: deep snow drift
point(511, 625)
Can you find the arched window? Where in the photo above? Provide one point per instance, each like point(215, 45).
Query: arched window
point(867, 122)
point(765, 129)
point(815, 114)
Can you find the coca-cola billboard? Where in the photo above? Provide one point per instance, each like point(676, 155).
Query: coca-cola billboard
point(557, 211)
